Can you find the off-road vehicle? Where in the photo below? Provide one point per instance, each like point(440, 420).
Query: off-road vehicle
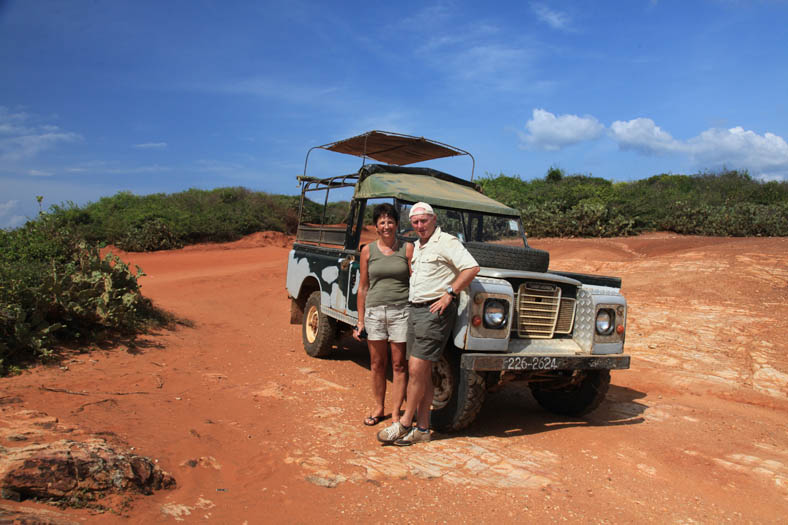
point(558, 331)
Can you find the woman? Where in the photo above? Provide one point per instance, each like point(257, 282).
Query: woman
point(382, 308)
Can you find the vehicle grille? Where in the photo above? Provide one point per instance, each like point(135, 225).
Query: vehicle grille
point(542, 312)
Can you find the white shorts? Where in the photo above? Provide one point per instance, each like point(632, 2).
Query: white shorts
point(387, 323)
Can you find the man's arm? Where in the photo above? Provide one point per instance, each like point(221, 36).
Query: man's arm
point(464, 279)
point(459, 283)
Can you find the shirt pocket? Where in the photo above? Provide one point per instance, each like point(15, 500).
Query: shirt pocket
point(430, 261)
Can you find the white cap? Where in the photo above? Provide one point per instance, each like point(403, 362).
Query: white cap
point(421, 208)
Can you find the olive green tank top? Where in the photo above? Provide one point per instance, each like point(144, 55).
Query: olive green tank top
point(388, 277)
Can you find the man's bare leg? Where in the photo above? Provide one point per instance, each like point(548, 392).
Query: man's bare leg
point(419, 384)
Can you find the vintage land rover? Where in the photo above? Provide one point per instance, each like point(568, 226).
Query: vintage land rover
point(559, 332)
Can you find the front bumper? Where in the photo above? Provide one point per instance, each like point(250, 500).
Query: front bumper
point(538, 363)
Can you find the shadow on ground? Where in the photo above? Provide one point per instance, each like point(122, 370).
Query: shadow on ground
point(512, 411)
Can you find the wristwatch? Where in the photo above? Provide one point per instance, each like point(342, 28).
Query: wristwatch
point(450, 291)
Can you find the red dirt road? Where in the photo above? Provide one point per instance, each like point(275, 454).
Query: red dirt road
point(255, 431)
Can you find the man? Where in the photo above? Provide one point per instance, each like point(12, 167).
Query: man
point(442, 268)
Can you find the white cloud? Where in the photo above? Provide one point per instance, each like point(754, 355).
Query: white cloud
point(131, 170)
point(13, 221)
point(11, 123)
point(765, 156)
point(269, 87)
point(8, 219)
point(39, 173)
point(487, 61)
point(217, 166)
point(151, 145)
point(6, 207)
point(396, 121)
point(479, 64)
point(549, 132)
point(28, 146)
point(771, 177)
point(21, 138)
point(473, 55)
point(555, 19)
point(740, 148)
point(643, 135)
point(432, 16)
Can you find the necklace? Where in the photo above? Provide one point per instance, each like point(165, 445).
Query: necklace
point(391, 249)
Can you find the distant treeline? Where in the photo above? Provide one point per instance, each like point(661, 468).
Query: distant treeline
point(729, 203)
point(165, 221)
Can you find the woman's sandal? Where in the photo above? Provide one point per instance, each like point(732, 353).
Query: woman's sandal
point(371, 421)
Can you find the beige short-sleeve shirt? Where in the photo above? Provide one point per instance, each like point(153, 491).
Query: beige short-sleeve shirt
point(436, 264)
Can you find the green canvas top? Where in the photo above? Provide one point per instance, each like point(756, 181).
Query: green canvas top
point(416, 187)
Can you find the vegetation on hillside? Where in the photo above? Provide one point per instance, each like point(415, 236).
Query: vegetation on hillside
point(55, 288)
point(557, 205)
point(729, 203)
point(165, 221)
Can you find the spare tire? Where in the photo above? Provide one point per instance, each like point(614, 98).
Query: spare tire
point(522, 258)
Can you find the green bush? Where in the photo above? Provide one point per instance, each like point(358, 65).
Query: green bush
point(55, 288)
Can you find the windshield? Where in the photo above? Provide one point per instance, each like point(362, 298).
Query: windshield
point(469, 226)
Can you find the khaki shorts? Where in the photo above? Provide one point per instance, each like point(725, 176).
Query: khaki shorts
point(387, 323)
point(428, 333)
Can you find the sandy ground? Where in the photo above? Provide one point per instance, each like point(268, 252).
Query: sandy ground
point(255, 431)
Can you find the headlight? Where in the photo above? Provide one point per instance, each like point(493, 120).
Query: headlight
point(604, 321)
point(495, 313)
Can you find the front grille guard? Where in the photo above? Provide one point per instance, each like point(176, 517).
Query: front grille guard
point(541, 312)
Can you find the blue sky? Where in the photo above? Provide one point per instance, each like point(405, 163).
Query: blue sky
point(160, 96)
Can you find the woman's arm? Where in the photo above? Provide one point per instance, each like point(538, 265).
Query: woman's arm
point(363, 287)
point(409, 256)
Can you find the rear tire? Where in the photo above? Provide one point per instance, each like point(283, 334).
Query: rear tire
point(522, 258)
point(317, 329)
point(575, 400)
point(459, 393)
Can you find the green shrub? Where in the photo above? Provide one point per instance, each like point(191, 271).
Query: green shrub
point(55, 288)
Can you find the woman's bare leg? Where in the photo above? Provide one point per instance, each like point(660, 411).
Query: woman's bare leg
point(399, 367)
point(378, 359)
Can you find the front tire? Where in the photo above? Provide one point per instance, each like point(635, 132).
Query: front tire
point(459, 393)
point(317, 329)
point(578, 399)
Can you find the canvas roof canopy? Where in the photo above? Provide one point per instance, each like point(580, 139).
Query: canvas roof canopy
point(393, 148)
point(422, 184)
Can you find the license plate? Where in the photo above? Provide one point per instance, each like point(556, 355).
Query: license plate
point(530, 363)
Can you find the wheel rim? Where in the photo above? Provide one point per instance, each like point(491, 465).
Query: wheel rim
point(443, 381)
point(312, 318)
